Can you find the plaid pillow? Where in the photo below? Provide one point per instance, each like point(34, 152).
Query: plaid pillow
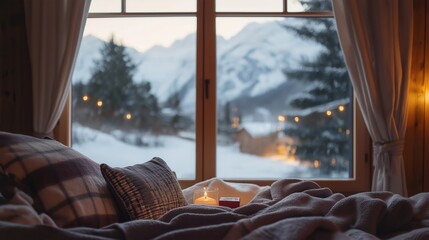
point(144, 191)
point(64, 184)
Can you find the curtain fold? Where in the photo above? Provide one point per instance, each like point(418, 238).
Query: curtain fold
point(54, 29)
point(376, 39)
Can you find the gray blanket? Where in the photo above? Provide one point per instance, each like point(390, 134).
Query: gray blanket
point(289, 209)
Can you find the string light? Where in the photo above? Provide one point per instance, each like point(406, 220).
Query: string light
point(128, 116)
point(99, 103)
point(281, 118)
point(296, 119)
point(341, 108)
point(316, 164)
point(328, 113)
point(85, 98)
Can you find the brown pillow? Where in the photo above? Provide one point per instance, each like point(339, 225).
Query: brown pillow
point(64, 184)
point(144, 191)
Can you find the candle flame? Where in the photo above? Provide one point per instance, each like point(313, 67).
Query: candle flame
point(205, 194)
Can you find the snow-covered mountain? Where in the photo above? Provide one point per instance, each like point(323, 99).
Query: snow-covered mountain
point(250, 64)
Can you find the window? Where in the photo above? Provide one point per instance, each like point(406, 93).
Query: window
point(243, 90)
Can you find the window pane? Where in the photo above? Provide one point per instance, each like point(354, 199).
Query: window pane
point(249, 6)
point(309, 6)
point(284, 104)
point(103, 6)
point(161, 6)
point(134, 92)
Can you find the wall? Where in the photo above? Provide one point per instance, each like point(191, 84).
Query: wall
point(15, 72)
point(417, 136)
point(425, 145)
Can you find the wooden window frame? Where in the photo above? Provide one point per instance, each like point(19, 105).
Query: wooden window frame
point(206, 105)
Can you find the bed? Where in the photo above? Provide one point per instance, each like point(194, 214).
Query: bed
point(50, 191)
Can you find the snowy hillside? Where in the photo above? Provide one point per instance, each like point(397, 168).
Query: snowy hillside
point(249, 64)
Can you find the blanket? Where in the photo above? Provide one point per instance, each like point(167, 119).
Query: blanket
point(19, 210)
point(288, 209)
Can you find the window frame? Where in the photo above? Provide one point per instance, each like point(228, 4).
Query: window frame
point(206, 137)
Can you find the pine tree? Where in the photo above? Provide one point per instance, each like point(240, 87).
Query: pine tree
point(227, 119)
point(144, 106)
point(80, 107)
point(173, 103)
point(112, 81)
point(322, 138)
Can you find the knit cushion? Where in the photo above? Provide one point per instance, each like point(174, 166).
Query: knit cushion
point(144, 191)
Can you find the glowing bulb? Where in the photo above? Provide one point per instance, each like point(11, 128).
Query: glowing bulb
point(341, 108)
point(328, 113)
point(281, 118)
point(99, 103)
point(296, 119)
point(85, 98)
point(128, 116)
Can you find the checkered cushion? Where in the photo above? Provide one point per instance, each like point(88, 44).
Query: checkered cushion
point(64, 184)
point(144, 191)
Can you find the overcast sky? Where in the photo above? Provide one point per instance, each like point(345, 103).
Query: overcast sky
point(144, 33)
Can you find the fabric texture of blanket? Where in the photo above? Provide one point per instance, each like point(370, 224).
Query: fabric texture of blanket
point(19, 210)
point(289, 209)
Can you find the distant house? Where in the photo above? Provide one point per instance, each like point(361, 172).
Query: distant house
point(269, 139)
point(265, 145)
point(264, 139)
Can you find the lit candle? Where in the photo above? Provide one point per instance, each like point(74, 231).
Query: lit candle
point(206, 200)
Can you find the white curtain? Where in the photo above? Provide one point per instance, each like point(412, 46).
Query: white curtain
point(54, 30)
point(376, 38)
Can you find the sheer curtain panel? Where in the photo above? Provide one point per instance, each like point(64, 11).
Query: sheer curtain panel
point(54, 29)
point(376, 38)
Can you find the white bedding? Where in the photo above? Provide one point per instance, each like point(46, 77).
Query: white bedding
point(245, 191)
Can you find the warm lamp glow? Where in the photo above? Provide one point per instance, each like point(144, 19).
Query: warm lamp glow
point(281, 118)
point(85, 98)
point(99, 103)
point(328, 113)
point(296, 119)
point(341, 108)
point(128, 116)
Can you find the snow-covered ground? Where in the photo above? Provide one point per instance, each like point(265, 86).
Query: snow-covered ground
point(180, 156)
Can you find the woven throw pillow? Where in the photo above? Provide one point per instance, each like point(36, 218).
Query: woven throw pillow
point(64, 184)
point(144, 191)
